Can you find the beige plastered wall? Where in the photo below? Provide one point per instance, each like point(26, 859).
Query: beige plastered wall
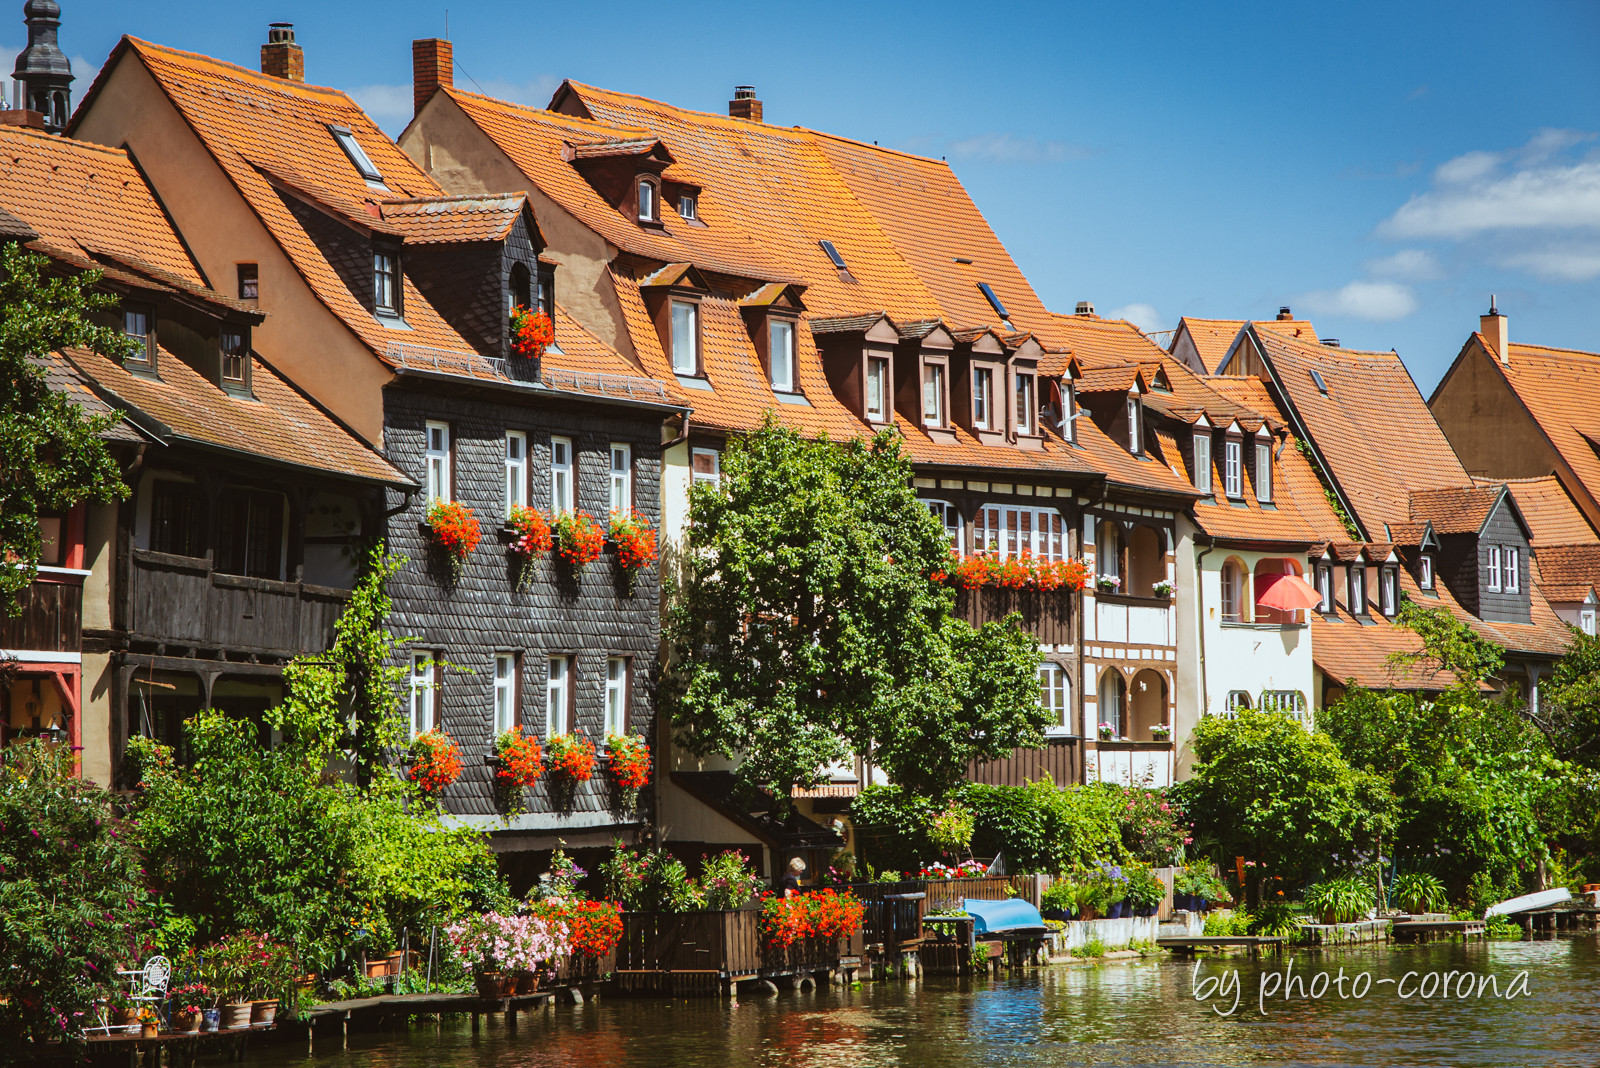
point(300, 336)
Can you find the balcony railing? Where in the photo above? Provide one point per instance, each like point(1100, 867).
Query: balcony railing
point(181, 599)
point(1047, 614)
point(51, 620)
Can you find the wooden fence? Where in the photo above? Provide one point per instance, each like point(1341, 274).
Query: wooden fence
point(702, 952)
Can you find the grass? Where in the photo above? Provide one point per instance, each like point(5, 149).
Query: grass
point(1092, 948)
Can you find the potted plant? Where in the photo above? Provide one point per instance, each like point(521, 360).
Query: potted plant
point(1162, 589)
point(578, 540)
point(628, 761)
point(531, 332)
point(570, 761)
point(272, 973)
point(1339, 900)
point(1146, 891)
point(518, 763)
point(1107, 732)
point(189, 1001)
point(149, 1022)
point(435, 762)
point(530, 539)
point(635, 542)
point(1418, 892)
point(454, 531)
point(1161, 732)
point(1058, 900)
point(121, 1010)
point(1108, 583)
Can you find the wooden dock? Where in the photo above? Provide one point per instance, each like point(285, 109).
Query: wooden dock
point(1190, 945)
point(1438, 930)
point(177, 1049)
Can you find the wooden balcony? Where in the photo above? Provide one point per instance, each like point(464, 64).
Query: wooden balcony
point(51, 620)
point(1061, 758)
point(182, 601)
point(1047, 614)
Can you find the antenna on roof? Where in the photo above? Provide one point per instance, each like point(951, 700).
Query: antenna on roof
point(447, 24)
point(1493, 308)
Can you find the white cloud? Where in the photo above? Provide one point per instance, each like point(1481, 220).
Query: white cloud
point(390, 105)
point(1009, 148)
point(1562, 265)
point(1144, 316)
point(1409, 264)
point(1375, 301)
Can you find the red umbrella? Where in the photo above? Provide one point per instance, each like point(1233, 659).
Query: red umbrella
point(1290, 593)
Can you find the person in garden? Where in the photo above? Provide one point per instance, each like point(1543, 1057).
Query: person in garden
point(790, 883)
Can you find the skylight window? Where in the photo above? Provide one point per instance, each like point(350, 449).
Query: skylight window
point(833, 254)
point(994, 301)
point(363, 165)
point(1316, 376)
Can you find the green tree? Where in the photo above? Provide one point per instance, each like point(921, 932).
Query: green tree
point(1570, 712)
point(71, 896)
point(1265, 788)
point(52, 455)
point(810, 625)
point(1448, 645)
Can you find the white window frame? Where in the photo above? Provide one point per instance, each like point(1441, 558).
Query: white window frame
point(949, 515)
point(1027, 404)
point(1388, 591)
point(1135, 432)
point(1494, 568)
point(423, 687)
point(1358, 589)
point(505, 692)
point(1511, 563)
point(1007, 529)
point(933, 394)
point(685, 341)
point(1264, 471)
point(516, 488)
point(386, 282)
point(1055, 697)
point(1237, 594)
point(1586, 620)
point(1325, 587)
point(982, 397)
point(234, 368)
point(1237, 701)
point(648, 195)
point(877, 377)
point(436, 461)
point(689, 206)
point(563, 484)
point(780, 354)
point(1069, 401)
point(714, 476)
point(1425, 571)
point(621, 477)
point(618, 670)
point(1291, 703)
point(1233, 467)
point(1202, 461)
point(557, 695)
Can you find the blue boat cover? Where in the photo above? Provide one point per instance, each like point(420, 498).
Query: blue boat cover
point(997, 917)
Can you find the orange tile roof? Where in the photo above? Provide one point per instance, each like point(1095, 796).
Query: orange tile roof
point(1460, 510)
point(1372, 426)
point(1213, 338)
point(253, 123)
point(1569, 564)
point(88, 200)
point(280, 424)
point(1549, 510)
point(1558, 387)
point(454, 219)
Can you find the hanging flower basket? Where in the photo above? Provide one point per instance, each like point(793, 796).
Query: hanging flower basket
point(530, 540)
point(435, 762)
point(635, 542)
point(518, 763)
point(578, 539)
point(454, 531)
point(629, 766)
point(571, 761)
point(1023, 572)
point(531, 333)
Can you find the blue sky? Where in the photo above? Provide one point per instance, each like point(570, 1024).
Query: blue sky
point(1380, 167)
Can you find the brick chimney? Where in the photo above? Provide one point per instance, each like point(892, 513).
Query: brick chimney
point(744, 104)
point(280, 56)
point(432, 66)
point(1284, 314)
point(1494, 331)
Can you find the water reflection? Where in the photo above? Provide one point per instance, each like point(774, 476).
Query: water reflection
point(1140, 1013)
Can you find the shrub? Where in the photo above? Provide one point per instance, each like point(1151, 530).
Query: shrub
point(951, 830)
point(1342, 899)
point(727, 880)
point(1417, 891)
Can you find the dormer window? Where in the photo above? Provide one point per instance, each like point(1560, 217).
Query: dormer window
point(357, 155)
point(877, 391)
point(933, 394)
point(1135, 431)
point(1512, 562)
point(780, 353)
point(1325, 587)
point(1233, 467)
point(1388, 591)
point(386, 282)
point(1069, 411)
point(982, 397)
point(139, 323)
point(1027, 405)
point(1425, 571)
point(649, 198)
point(520, 290)
point(235, 362)
point(1202, 460)
point(689, 206)
point(1358, 590)
point(685, 338)
point(1264, 470)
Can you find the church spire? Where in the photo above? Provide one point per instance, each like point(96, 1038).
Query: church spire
point(42, 68)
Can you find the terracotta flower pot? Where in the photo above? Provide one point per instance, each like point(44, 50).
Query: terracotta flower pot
point(187, 1022)
point(488, 983)
point(124, 1017)
point(149, 1030)
point(236, 1015)
point(264, 1012)
point(526, 983)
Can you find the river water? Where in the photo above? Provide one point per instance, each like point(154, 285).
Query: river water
point(1135, 1013)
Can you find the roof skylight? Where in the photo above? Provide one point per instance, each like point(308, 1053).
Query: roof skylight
point(833, 254)
point(1316, 376)
point(994, 301)
point(352, 148)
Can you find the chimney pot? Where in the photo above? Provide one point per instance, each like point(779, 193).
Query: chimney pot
point(744, 104)
point(1085, 307)
point(1284, 314)
point(280, 56)
point(432, 67)
point(1496, 332)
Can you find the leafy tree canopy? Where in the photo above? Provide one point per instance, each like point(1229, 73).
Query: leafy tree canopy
point(810, 626)
point(52, 455)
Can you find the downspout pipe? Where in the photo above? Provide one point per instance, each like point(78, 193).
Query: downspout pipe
point(1200, 616)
